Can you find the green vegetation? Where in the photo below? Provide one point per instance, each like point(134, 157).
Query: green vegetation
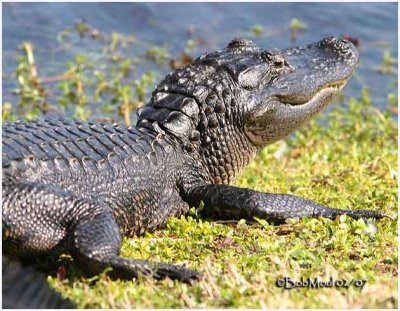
point(295, 27)
point(102, 82)
point(349, 162)
point(158, 54)
point(388, 65)
point(258, 30)
point(32, 94)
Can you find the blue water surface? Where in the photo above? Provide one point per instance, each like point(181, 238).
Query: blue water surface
point(172, 24)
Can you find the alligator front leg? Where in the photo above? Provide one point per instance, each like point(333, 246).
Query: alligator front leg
point(230, 202)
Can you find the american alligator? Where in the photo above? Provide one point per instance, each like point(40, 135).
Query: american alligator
point(77, 187)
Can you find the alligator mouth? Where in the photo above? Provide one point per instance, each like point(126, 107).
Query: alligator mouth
point(303, 99)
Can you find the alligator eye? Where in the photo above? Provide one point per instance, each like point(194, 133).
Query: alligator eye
point(279, 62)
point(274, 58)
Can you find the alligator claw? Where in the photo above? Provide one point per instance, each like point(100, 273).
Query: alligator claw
point(365, 214)
point(177, 273)
point(126, 268)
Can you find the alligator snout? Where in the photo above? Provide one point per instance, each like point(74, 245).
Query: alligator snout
point(330, 61)
point(341, 46)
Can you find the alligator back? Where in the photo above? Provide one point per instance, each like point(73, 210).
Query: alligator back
point(50, 145)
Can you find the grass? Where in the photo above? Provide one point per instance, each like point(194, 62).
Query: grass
point(348, 163)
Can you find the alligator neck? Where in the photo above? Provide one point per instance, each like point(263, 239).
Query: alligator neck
point(202, 115)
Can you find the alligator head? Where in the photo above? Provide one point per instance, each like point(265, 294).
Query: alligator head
point(228, 104)
point(300, 82)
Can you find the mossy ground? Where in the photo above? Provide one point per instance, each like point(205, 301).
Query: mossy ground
point(349, 163)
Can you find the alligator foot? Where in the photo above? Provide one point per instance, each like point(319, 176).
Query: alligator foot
point(179, 273)
point(332, 213)
point(125, 268)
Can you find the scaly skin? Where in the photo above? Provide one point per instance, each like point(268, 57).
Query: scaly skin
point(77, 187)
point(23, 286)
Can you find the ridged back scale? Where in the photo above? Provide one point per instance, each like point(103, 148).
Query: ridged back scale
point(45, 146)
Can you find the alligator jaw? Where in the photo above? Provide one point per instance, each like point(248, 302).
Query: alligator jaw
point(299, 113)
point(330, 88)
point(265, 128)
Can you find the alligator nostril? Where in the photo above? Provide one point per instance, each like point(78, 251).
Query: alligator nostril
point(344, 47)
point(327, 41)
point(338, 45)
point(240, 43)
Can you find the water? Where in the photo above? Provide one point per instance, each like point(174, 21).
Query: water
point(172, 24)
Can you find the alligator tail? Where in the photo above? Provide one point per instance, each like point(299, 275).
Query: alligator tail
point(25, 288)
